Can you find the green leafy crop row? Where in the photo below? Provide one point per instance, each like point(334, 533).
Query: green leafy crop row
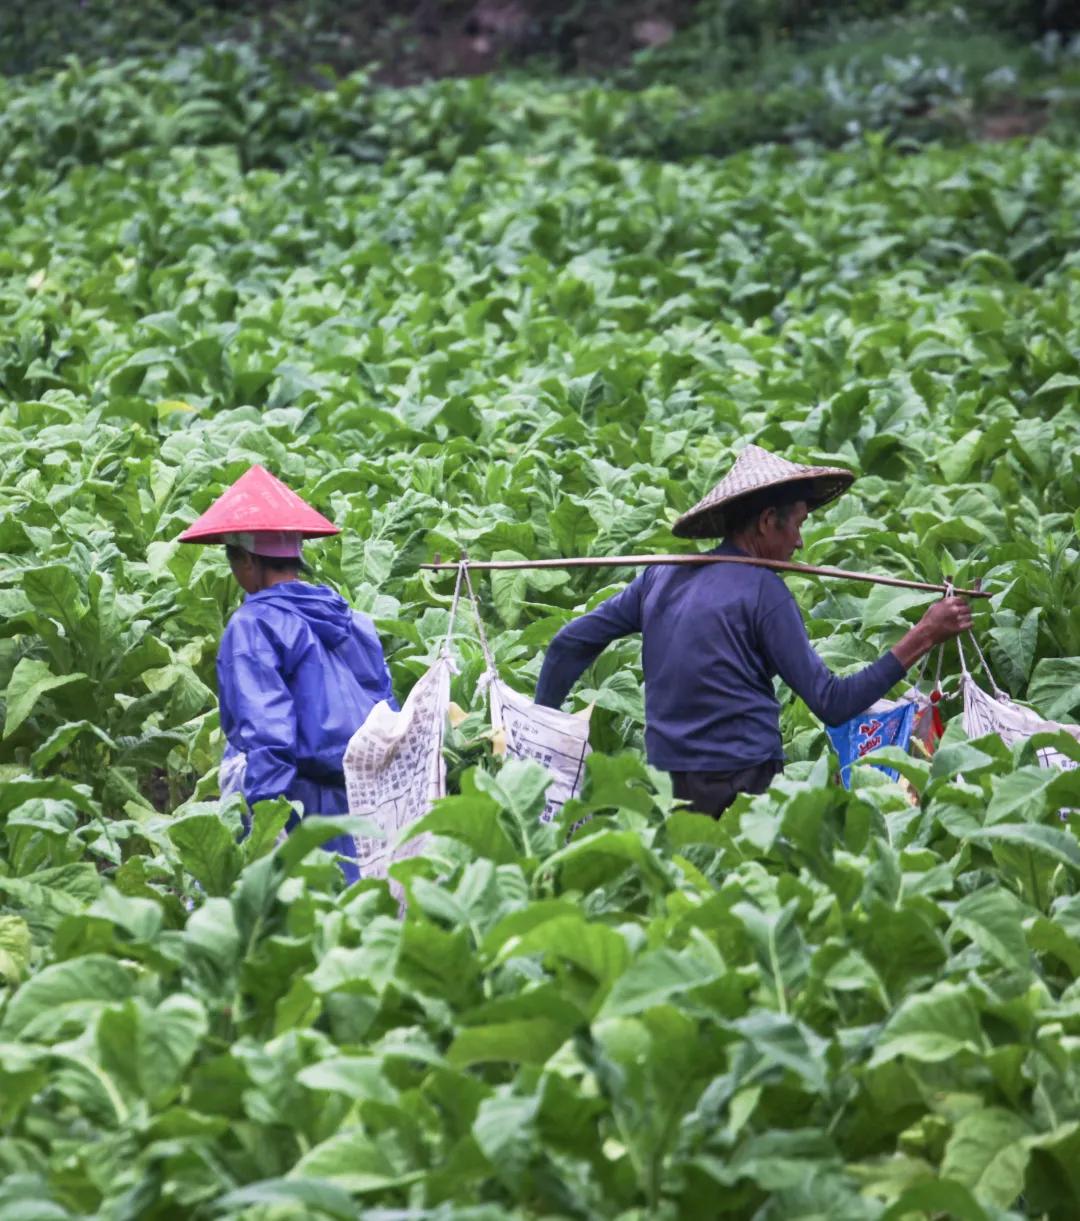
point(925, 87)
point(831, 1003)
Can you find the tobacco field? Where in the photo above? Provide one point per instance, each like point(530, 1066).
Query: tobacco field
point(519, 319)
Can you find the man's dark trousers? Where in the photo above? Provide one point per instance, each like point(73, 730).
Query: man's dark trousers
point(712, 792)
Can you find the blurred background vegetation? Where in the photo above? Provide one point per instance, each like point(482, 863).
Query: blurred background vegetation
point(667, 79)
point(416, 39)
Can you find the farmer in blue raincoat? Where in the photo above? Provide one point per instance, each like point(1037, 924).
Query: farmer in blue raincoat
point(298, 670)
point(714, 637)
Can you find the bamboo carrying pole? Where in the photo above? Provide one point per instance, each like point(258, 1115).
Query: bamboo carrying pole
point(641, 561)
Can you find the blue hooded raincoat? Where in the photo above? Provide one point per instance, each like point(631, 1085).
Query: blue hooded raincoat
point(298, 672)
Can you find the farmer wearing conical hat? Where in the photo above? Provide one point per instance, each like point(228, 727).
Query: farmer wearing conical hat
point(298, 670)
point(714, 637)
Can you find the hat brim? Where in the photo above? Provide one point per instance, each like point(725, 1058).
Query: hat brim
point(217, 535)
point(709, 521)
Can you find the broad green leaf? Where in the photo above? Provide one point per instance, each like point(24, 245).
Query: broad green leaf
point(60, 739)
point(653, 979)
point(508, 588)
point(931, 1026)
point(1059, 846)
point(307, 1196)
point(987, 1154)
point(956, 758)
point(1017, 641)
point(30, 681)
point(775, 1161)
point(1049, 938)
point(937, 1197)
point(168, 1041)
point(350, 1075)
point(475, 820)
point(65, 991)
point(606, 850)
point(619, 692)
point(188, 694)
point(504, 1130)
point(885, 605)
point(1059, 385)
point(364, 967)
point(782, 1041)
point(208, 849)
point(916, 771)
point(1021, 793)
point(519, 787)
point(572, 526)
point(621, 783)
point(778, 945)
point(268, 821)
point(593, 948)
point(1055, 688)
point(528, 1041)
point(519, 922)
point(15, 946)
point(313, 832)
point(992, 918)
point(955, 460)
point(352, 1161)
point(26, 1197)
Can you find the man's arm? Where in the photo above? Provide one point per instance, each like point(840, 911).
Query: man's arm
point(835, 700)
point(576, 646)
point(943, 621)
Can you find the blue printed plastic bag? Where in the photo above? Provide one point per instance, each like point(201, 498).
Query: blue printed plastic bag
point(869, 731)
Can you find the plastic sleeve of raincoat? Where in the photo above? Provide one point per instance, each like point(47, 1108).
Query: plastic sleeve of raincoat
point(257, 713)
point(388, 688)
point(576, 646)
point(369, 637)
point(832, 699)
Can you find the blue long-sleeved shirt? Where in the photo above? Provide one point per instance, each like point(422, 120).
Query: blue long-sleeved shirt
point(713, 638)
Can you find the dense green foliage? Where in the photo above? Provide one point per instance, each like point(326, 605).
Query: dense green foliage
point(930, 84)
point(455, 318)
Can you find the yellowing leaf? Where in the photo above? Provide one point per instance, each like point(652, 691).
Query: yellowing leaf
point(168, 407)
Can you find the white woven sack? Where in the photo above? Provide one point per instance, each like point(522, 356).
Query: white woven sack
point(394, 769)
point(559, 740)
point(1013, 723)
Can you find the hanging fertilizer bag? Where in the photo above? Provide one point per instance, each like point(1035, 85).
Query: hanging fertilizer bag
point(524, 730)
point(394, 766)
point(1012, 722)
point(886, 723)
point(892, 723)
point(557, 740)
point(394, 769)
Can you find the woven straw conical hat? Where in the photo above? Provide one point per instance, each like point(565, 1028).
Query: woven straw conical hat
point(755, 470)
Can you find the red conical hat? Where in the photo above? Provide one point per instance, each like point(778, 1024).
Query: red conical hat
point(257, 501)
